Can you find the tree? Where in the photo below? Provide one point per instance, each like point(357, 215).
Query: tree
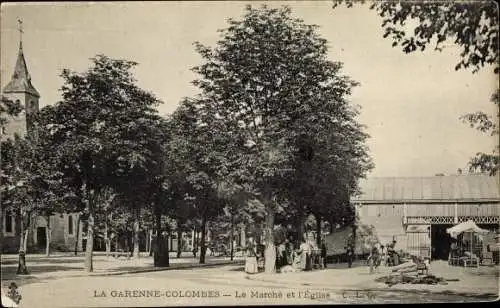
point(8, 109)
point(237, 209)
point(29, 188)
point(99, 133)
point(485, 162)
point(266, 72)
point(473, 27)
point(197, 162)
point(139, 147)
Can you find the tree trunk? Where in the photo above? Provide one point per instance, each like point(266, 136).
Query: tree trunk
point(136, 234)
point(21, 235)
point(160, 246)
point(21, 265)
point(22, 269)
point(232, 237)
point(150, 240)
point(270, 251)
point(299, 226)
point(146, 233)
point(318, 230)
point(25, 241)
point(90, 241)
point(179, 243)
point(195, 242)
point(106, 235)
point(47, 236)
point(243, 238)
point(1, 228)
point(77, 234)
point(202, 240)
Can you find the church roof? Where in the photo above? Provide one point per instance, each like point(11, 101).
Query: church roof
point(452, 188)
point(21, 80)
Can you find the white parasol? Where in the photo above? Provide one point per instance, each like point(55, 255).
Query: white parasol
point(468, 226)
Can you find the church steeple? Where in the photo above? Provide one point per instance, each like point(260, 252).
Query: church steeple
point(21, 80)
point(20, 90)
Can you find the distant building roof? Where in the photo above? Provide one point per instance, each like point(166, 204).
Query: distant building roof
point(452, 188)
point(21, 80)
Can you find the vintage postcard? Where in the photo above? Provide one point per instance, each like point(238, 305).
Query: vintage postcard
point(189, 153)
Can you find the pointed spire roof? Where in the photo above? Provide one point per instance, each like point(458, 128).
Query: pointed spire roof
point(21, 80)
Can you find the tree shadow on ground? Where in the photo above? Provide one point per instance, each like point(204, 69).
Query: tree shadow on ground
point(10, 272)
point(44, 260)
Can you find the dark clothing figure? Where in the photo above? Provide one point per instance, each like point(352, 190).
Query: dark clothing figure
point(392, 254)
point(454, 250)
point(374, 259)
point(281, 254)
point(323, 254)
point(350, 255)
point(289, 254)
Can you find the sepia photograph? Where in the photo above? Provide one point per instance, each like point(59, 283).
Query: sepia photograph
point(235, 153)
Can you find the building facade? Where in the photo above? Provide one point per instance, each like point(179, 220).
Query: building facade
point(417, 211)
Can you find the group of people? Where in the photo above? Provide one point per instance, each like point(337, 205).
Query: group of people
point(380, 254)
point(307, 254)
point(303, 257)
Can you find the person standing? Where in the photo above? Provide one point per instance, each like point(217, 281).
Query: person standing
point(282, 253)
point(302, 255)
point(374, 259)
point(393, 255)
point(323, 254)
point(307, 251)
point(251, 265)
point(289, 253)
point(350, 254)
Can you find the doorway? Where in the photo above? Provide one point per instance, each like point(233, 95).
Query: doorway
point(41, 237)
point(440, 242)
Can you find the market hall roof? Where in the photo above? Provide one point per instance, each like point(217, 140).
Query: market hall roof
point(451, 188)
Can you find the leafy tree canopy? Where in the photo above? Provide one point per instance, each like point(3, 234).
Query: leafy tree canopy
point(472, 25)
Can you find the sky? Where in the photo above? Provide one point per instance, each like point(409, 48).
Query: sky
point(410, 103)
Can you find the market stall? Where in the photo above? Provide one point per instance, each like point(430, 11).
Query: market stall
point(467, 244)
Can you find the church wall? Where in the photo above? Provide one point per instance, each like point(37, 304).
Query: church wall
point(60, 239)
point(10, 241)
point(69, 239)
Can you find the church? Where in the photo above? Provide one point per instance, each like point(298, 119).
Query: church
point(60, 229)
point(64, 232)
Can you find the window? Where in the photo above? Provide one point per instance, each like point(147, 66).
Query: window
point(70, 224)
point(9, 224)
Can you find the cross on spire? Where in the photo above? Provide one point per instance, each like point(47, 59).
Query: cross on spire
point(20, 29)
